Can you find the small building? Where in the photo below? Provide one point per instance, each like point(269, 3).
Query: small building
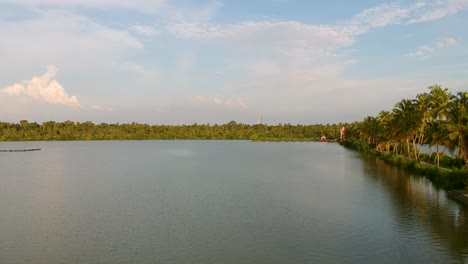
point(323, 138)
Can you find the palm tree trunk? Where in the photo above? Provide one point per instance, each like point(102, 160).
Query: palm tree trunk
point(465, 151)
point(415, 149)
point(408, 146)
point(466, 157)
point(437, 154)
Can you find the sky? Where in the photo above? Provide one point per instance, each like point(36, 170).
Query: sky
point(213, 61)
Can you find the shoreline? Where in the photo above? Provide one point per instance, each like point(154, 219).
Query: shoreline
point(454, 181)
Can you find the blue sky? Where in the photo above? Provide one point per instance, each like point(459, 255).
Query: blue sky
point(213, 61)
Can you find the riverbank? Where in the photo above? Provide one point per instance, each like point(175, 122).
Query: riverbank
point(446, 178)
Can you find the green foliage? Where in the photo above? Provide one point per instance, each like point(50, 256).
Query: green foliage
point(68, 130)
point(356, 145)
point(437, 118)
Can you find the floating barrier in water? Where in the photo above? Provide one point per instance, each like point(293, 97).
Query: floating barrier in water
point(18, 150)
point(458, 196)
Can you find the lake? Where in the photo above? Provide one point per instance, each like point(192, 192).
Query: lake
point(219, 202)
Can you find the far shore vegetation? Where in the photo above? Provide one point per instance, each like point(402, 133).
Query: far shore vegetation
point(69, 130)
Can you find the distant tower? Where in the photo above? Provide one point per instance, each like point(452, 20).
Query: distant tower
point(260, 119)
point(342, 133)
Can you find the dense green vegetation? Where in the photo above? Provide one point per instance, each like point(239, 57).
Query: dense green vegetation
point(68, 130)
point(437, 119)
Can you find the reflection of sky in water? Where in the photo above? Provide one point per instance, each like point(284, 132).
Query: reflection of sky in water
point(180, 152)
point(227, 202)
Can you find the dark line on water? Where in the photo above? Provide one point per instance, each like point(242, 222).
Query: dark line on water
point(18, 150)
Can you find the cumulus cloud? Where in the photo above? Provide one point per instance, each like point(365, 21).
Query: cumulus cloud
point(425, 50)
point(213, 100)
point(43, 88)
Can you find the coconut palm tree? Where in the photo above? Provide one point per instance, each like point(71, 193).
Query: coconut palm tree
point(422, 106)
point(456, 125)
point(408, 120)
point(387, 133)
point(439, 101)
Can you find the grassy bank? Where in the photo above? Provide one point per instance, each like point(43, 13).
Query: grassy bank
point(448, 178)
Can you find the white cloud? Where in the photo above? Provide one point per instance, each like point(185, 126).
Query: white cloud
point(446, 43)
point(425, 50)
point(146, 31)
point(89, 55)
point(439, 9)
point(102, 108)
point(282, 37)
point(140, 5)
point(149, 76)
point(162, 8)
point(43, 88)
point(379, 16)
point(376, 17)
point(292, 44)
point(69, 41)
point(421, 51)
point(265, 68)
point(217, 101)
point(307, 41)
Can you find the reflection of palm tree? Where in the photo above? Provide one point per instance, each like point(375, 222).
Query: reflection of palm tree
point(456, 125)
point(420, 204)
point(439, 101)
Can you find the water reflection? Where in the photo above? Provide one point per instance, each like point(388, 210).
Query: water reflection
point(417, 203)
point(220, 202)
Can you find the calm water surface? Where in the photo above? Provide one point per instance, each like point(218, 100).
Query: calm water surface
point(219, 202)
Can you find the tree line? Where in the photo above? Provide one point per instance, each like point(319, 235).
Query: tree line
point(69, 130)
point(436, 118)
